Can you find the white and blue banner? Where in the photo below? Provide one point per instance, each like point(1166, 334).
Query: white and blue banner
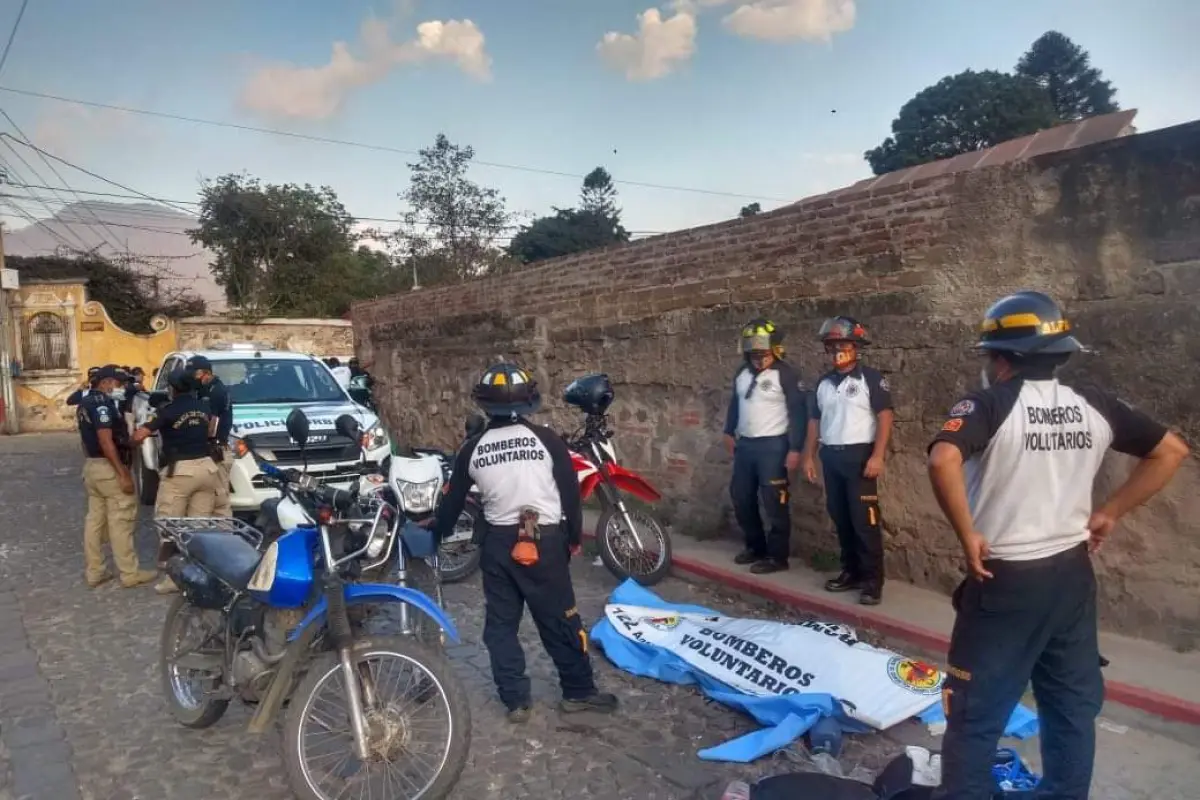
point(786, 676)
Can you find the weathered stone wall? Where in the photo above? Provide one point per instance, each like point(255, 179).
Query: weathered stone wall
point(1113, 230)
point(321, 337)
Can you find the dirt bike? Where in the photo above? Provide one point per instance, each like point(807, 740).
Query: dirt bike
point(632, 543)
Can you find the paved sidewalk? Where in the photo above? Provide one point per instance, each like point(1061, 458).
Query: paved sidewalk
point(1144, 675)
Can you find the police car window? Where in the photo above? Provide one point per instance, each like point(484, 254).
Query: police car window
point(273, 380)
point(160, 382)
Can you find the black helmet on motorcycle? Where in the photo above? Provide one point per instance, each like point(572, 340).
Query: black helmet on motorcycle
point(506, 390)
point(844, 329)
point(760, 335)
point(1027, 324)
point(182, 381)
point(591, 394)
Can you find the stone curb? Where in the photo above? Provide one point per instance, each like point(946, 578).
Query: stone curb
point(1162, 705)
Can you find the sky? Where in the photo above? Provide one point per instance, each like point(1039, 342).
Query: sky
point(735, 100)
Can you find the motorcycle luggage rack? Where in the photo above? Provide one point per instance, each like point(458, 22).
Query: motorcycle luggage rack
point(181, 529)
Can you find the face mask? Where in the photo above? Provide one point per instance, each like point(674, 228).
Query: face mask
point(844, 358)
point(117, 394)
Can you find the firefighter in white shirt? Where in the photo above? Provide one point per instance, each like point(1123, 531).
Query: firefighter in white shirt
point(764, 431)
point(1013, 469)
point(534, 516)
point(851, 416)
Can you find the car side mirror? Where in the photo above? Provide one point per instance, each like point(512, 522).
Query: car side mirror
point(154, 374)
point(348, 426)
point(475, 425)
point(158, 399)
point(297, 427)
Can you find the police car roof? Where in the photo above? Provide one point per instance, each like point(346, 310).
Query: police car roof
point(240, 350)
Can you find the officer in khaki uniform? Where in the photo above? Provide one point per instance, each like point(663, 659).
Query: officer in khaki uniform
point(213, 391)
point(190, 481)
point(112, 507)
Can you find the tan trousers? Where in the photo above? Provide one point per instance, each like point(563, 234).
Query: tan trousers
point(111, 515)
point(222, 506)
point(191, 491)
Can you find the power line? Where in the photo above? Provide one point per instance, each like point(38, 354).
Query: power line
point(367, 146)
point(13, 33)
point(13, 172)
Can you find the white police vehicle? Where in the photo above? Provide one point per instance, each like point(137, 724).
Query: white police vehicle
point(264, 385)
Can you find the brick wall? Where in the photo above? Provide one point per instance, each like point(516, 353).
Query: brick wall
point(1113, 230)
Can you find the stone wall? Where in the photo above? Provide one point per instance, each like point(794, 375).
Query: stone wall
point(1113, 230)
point(322, 337)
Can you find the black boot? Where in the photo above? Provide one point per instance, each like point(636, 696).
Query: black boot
point(872, 594)
point(599, 702)
point(843, 583)
point(519, 715)
point(769, 565)
point(747, 556)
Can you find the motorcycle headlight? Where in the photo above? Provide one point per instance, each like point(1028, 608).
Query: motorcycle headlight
point(418, 498)
point(375, 438)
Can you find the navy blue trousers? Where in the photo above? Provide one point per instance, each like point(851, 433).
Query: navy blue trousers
point(760, 474)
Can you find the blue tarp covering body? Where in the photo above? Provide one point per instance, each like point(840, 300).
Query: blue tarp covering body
point(785, 717)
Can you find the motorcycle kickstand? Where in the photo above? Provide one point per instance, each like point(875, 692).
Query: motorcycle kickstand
point(358, 722)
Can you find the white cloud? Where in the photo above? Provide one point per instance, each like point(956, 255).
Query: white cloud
point(659, 46)
point(780, 20)
point(289, 90)
point(66, 130)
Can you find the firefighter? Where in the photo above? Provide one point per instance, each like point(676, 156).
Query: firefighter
point(214, 392)
point(189, 484)
point(534, 515)
point(764, 432)
point(111, 507)
point(1013, 469)
point(852, 418)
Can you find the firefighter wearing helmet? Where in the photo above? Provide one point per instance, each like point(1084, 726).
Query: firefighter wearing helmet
point(534, 522)
point(852, 419)
point(764, 431)
point(1013, 469)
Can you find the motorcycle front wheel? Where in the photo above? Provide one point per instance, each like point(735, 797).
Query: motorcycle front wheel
point(648, 563)
point(458, 555)
point(417, 718)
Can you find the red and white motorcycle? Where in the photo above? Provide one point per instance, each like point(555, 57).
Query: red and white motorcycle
point(632, 543)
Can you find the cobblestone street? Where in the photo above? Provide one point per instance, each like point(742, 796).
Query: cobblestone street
point(82, 715)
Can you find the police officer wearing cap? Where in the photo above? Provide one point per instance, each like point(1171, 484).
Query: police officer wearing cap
point(214, 392)
point(1013, 469)
point(534, 516)
point(190, 479)
point(76, 397)
point(852, 418)
point(111, 507)
point(764, 431)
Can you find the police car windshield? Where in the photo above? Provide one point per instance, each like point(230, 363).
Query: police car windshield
point(277, 380)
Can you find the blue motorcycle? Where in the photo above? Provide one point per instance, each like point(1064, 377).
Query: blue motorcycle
point(279, 627)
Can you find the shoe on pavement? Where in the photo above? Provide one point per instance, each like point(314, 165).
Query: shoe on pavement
point(95, 583)
point(843, 583)
point(166, 586)
point(600, 702)
point(871, 596)
point(769, 565)
point(747, 557)
point(519, 715)
point(139, 578)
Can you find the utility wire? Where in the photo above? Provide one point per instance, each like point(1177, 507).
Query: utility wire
point(368, 146)
point(13, 33)
point(13, 173)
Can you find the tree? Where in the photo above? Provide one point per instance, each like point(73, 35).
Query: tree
point(960, 114)
point(461, 219)
point(275, 245)
point(123, 292)
point(750, 210)
point(596, 223)
point(1063, 69)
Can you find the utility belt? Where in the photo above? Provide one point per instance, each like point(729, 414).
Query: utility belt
point(172, 461)
point(529, 535)
point(1077, 552)
point(216, 451)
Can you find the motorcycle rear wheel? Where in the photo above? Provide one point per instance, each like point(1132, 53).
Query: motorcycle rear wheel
point(460, 560)
point(188, 696)
point(618, 549)
point(438, 676)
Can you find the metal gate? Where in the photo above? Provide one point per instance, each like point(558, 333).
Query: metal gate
point(45, 344)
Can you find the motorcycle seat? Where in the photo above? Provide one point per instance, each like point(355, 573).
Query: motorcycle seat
point(228, 556)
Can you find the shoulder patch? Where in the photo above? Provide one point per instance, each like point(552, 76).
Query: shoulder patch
point(102, 413)
point(963, 408)
point(953, 425)
point(884, 383)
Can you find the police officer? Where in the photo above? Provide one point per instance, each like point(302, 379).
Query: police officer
point(1032, 446)
point(189, 483)
point(852, 417)
point(215, 393)
point(76, 397)
point(534, 516)
point(112, 507)
point(764, 431)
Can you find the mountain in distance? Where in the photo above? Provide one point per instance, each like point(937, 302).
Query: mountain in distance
point(153, 235)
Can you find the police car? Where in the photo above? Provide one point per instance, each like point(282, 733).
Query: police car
point(264, 385)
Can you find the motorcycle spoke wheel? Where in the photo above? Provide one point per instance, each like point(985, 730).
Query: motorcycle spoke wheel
point(633, 560)
point(411, 729)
